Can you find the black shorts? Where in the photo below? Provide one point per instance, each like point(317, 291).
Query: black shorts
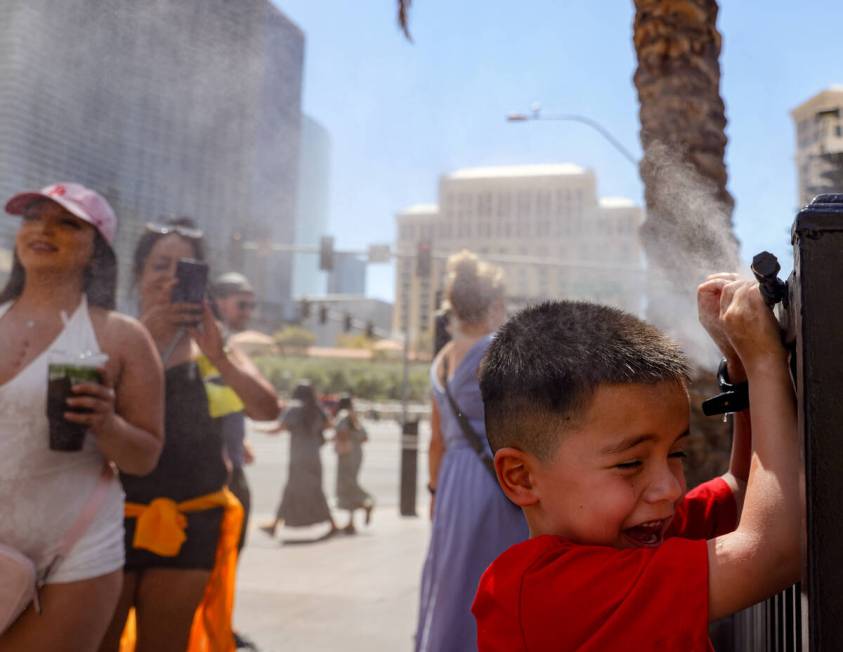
point(198, 552)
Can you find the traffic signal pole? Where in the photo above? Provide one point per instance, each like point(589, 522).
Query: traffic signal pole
point(409, 441)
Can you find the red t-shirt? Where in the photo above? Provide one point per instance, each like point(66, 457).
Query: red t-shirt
point(550, 595)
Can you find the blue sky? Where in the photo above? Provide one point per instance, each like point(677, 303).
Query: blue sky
point(401, 114)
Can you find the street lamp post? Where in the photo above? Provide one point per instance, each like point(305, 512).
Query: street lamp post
point(536, 114)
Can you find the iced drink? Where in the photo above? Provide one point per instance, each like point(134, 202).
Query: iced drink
point(65, 371)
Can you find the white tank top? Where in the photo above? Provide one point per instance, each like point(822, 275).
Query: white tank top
point(43, 491)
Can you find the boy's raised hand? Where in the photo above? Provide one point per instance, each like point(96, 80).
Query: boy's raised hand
point(749, 324)
point(708, 308)
point(762, 556)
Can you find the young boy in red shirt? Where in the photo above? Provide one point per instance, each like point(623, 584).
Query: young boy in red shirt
point(587, 410)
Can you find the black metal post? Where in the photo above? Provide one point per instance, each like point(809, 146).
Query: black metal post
point(409, 466)
point(816, 304)
point(807, 616)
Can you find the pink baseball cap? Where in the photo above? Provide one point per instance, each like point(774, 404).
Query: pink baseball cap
point(84, 203)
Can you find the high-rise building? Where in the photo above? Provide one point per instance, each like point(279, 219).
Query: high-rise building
point(819, 144)
point(312, 207)
point(544, 224)
point(415, 299)
point(177, 107)
point(348, 275)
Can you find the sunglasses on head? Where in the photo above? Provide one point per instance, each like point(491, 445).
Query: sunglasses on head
point(167, 229)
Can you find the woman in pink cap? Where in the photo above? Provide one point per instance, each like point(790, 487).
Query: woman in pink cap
point(59, 298)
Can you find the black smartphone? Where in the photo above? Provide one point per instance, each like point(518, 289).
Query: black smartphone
point(192, 281)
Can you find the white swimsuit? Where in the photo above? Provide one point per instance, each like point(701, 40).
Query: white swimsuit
point(43, 491)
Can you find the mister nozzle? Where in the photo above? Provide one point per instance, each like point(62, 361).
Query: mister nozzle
point(765, 267)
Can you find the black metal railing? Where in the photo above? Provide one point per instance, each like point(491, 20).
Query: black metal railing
point(808, 616)
point(772, 626)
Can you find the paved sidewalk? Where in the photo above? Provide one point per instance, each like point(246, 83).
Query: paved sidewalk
point(349, 593)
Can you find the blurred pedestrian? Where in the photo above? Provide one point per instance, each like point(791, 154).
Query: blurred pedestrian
point(303, 502)
point(234, 303)
point(59, 299)
point(473, 522)
point(181, 523)
point(350, 435)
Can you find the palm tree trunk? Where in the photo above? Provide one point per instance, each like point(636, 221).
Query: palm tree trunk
point(688, 230)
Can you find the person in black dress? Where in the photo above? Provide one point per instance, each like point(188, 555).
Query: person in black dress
point(303, 502)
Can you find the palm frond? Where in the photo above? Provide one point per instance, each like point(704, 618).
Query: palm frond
point(404, 17)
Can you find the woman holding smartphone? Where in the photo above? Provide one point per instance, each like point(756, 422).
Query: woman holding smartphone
point(59, 298)
point(166, 576)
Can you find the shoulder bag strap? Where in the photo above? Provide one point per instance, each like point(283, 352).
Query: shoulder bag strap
point(86, 516)
point(468, 431)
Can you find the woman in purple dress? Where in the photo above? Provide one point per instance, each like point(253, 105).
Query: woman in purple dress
point(473, 522)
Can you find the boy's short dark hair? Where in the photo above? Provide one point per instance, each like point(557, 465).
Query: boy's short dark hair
point(545, 363)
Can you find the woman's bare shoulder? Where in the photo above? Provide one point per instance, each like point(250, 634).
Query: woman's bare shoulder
point(116, 330)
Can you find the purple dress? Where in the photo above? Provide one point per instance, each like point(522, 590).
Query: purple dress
point(473, 521)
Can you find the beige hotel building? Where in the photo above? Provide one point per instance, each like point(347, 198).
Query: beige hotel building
point(819, 143)
point(544, 224)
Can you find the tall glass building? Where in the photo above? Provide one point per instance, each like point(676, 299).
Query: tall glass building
point(313, 209)
point(171, 107)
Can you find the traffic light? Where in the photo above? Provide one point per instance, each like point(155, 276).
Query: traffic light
point(347, 323)
point(326, 253)
point(424, 259)
point(305, 309)
point(323, 314)
point(370, 330)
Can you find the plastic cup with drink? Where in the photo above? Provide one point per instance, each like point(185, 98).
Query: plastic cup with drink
point(65, 371)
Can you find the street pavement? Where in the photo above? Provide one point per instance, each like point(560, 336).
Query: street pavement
point(347, 593)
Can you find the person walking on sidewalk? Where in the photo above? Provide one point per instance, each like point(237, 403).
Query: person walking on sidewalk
point(60, 299)
point(303, 502)
point(473, 522)
point(348, 444)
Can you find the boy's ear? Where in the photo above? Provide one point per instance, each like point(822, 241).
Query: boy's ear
point(514, 469)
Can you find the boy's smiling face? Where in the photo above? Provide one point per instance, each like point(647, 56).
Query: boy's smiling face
point(617, 475)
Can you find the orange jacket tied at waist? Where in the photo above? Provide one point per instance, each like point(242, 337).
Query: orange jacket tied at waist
point(160, 529)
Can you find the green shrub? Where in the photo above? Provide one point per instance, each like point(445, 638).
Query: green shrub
point(294, 339)
point(375, 380)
